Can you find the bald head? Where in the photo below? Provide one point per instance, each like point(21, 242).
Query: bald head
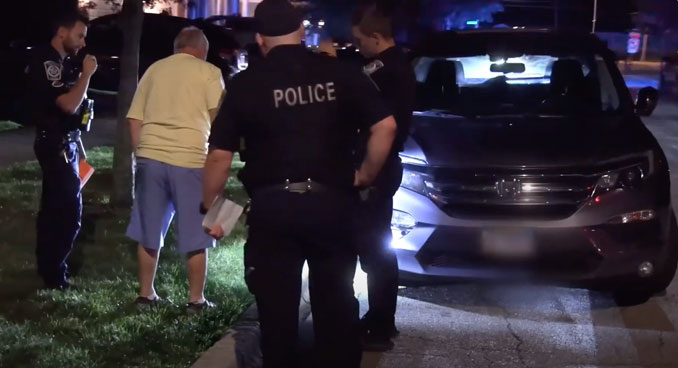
point(266, 43)
point(192, 41)
point(278, 23)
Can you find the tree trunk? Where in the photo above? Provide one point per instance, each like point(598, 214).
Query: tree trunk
point(131, 21)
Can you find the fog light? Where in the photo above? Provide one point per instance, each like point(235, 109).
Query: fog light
point(402, 223)
point(646, 269)
point(638, 216)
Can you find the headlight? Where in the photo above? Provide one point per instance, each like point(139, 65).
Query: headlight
point(630, 178)
point(402, 223)
point(414, 181)
point(608, 181)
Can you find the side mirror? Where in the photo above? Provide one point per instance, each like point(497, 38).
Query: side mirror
point(647, 100)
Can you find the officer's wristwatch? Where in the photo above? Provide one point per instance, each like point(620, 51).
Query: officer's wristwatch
point(203, 210)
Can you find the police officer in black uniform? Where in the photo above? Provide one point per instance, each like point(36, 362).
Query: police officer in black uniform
point(391, 71)
point(296, 115)
point(58, 85)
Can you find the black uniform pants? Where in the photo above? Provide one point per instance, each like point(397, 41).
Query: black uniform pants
point(373, 241)
point(285, 229)
point(60, 211)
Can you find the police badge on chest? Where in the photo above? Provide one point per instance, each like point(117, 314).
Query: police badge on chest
point(53, 71)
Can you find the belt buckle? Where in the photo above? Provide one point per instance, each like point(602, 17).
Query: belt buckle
point(308, 188)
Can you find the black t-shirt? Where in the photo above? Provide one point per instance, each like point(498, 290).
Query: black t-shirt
point(393, 74)
point(294, 116)
point(49, 76)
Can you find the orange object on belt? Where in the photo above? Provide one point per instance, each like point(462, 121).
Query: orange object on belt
point(86, 171)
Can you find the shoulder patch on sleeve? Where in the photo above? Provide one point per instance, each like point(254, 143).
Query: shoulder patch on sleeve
point(372, 67)
point(53, 71)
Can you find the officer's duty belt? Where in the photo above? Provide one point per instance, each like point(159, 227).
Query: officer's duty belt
point(308, 186)
point(69, 137)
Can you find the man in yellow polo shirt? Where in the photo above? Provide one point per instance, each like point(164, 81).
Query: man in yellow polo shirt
point(170, 120)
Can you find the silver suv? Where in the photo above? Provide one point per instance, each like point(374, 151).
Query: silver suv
point(528, 159)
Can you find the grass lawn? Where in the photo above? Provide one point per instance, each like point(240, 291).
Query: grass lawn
point(98, 326)
point(8, 125)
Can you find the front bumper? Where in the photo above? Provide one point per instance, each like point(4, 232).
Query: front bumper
point(581, 248)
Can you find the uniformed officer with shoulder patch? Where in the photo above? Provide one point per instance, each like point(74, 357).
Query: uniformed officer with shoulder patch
point(58, 91)
point(392, 73)
point(296, 114)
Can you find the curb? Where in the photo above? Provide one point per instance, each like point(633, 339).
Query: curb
point(239, 348)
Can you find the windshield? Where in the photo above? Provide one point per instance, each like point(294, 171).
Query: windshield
point(484, 85)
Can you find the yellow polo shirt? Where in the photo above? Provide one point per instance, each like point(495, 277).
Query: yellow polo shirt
point(173, 100)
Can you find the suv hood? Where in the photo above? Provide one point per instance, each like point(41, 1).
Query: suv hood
point(452, 141)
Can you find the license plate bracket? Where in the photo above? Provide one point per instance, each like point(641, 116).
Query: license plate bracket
point(509, 244)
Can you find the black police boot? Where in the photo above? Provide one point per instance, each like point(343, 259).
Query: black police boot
point(377, 336)
point(378, 341)
point(367, 323)
point(393, 332)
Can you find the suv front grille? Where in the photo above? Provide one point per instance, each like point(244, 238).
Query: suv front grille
point(515, 195)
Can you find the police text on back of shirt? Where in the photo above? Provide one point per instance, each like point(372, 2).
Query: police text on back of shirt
point(304, 95)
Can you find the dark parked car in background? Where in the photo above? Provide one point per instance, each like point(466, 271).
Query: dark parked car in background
point(529, 159)
point(668, 82)
point(104, 40)
point(13, 64)
point(243, 29)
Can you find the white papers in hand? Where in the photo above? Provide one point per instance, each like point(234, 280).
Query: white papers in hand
point(224, 213)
